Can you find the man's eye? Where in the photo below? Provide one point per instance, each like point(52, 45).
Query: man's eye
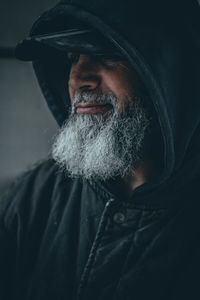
point(73, 58)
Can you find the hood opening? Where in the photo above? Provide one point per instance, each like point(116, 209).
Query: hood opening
point(55, 87)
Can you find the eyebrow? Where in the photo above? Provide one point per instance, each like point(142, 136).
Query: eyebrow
point(69, 54)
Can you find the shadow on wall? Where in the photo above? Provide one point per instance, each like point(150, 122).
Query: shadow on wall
point(26, 125)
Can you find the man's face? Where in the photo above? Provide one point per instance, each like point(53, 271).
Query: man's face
point(105, 133)
point(102, 74)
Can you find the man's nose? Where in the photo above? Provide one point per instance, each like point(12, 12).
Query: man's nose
point(84, 74)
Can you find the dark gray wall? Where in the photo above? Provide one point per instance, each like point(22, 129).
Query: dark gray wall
point(17, 18)
point(26, 125)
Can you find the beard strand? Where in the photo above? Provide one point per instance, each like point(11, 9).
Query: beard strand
point(99, 147)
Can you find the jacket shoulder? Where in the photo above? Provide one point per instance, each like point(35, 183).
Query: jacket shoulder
point(32, 192)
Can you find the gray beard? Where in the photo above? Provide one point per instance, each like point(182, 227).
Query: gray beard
point(102, 146)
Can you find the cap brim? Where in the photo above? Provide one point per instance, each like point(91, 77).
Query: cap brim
point(78, 40)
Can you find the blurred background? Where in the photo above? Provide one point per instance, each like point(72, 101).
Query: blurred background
point(26, 125)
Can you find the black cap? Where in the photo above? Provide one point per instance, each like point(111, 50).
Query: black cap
point(82, 40)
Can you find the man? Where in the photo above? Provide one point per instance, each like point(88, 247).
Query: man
point(104, 136)
point(115, 213)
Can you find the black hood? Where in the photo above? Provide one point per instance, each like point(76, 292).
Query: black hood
point(161, 39)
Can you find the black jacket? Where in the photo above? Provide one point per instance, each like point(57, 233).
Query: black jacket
point(63, 238)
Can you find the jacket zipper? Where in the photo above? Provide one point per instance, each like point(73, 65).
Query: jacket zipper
point(95, 246)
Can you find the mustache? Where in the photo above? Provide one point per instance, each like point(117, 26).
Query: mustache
point(108, 98)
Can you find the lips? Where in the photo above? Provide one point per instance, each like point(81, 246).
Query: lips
point(92, 107)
